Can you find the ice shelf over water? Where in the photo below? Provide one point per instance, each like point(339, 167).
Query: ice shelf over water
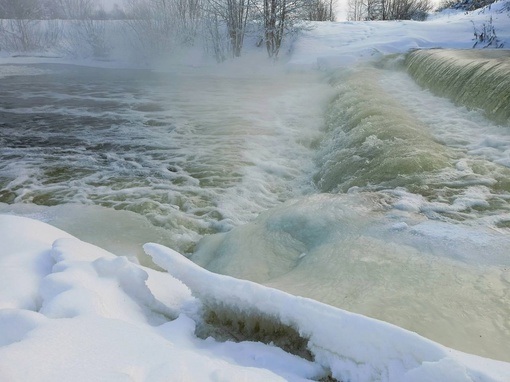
point(72, 311)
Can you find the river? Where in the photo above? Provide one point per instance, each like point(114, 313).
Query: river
point(356, 188)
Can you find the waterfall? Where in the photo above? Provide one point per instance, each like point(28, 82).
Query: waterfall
point(371, 139)
point(473, 78)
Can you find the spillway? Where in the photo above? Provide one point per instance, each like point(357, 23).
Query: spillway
point(473, 78)
point(409, 223)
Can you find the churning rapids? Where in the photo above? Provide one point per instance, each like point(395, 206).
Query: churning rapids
point(357, 188)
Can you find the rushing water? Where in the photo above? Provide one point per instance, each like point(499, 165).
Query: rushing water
point(194, 154)
point(364, 191)
point(472, 78)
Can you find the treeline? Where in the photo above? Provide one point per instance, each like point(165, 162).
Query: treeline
point(360, 10)
point(58, 10)
point(157, 26)
point(466, 5)
point(222, 25)
point(71, 27)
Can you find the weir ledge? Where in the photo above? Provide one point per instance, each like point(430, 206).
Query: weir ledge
point(477, 79)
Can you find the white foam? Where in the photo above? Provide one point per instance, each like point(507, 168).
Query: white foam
point(203, 167)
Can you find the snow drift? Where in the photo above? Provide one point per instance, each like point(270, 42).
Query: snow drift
point(85, 314)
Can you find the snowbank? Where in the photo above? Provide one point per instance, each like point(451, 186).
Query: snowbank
point(324, 45)
point(340, 44)
point(80, 313)
point(70, 311)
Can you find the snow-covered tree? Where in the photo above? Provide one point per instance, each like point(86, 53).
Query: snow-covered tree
point(19, 21)
point(279, 19)
point(320, 10)
point(389, 9)
point(234, 15)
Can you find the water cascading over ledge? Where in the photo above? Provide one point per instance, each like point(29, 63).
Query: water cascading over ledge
point(372, 140)
point(473, 78)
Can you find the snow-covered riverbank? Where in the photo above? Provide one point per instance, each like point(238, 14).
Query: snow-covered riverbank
point(70, 310)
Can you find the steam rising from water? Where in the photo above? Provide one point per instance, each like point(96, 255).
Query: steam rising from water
point(194, 153)
point(411, 225)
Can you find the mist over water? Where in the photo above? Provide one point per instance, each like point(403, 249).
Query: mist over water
point(194, 153)
point(361, 190)
point(409, 223)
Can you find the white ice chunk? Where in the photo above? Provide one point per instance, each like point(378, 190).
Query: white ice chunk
point(354, 347)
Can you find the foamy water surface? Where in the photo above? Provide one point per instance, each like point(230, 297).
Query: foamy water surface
point(278, 177)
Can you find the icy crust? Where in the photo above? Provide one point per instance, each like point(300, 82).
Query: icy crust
point(91, 316)
point(376, 255)
point(353, 347)
point(70, 311)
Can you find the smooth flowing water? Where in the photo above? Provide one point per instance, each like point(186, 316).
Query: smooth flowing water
point(360, 190)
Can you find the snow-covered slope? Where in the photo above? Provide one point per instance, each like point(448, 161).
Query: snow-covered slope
point(331, 45)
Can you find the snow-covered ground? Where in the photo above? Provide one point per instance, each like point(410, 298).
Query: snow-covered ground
point(74, 312)
point(345, 43)
point(325, 45)
point(70, 311)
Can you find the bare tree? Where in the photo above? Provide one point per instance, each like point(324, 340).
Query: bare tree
point(237, 18)
point(280, 18)
point(320, 10)
point(375, 10)
point(86, 31)
point(187, 16)
point(406, 9)
point(356, 10)
point(234, 15)
point(76, 9)
point(389, 9)
point(151, 23)
point(159, 26)
point(20, 9)
point(215, 38)
point(20, 29)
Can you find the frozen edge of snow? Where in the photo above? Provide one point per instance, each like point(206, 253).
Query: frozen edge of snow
point(352, 346)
